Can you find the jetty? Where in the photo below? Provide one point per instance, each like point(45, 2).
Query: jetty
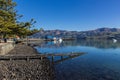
point(38, 56)
point(62, 59)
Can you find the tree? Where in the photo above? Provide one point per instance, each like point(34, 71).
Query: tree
point(7, 16)
point(33, 31)
point(41, 29)
point(9, 24)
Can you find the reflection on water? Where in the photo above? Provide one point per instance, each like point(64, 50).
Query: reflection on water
point(102, 61)
point(91, 43)
point(64, 58)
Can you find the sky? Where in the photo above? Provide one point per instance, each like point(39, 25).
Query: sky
point(72, 15)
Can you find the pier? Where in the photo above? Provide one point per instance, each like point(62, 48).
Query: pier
point(40, 56)
point(65, 58)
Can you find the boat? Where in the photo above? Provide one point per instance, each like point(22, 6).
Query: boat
point(114, 40)
point(60, 40)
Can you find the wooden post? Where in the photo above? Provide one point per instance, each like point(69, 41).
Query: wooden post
point(61, 57)
point(28, 59)
point(52, 58)
point(27, 40)
point(41, 57)
point(10, 59)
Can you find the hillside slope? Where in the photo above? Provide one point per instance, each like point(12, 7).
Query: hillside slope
point(100, 33)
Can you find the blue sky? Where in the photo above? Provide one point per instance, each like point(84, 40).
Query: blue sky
point(71, 14)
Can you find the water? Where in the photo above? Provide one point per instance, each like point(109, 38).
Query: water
point(101, 61)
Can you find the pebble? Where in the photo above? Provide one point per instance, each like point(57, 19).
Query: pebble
point(26, 70)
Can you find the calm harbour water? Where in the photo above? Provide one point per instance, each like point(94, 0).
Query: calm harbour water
point(101, 61)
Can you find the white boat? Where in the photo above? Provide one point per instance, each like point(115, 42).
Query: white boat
point(60, 40)
point(55, 39)
point(114, 40)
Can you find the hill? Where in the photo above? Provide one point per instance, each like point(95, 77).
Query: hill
point(100, 33)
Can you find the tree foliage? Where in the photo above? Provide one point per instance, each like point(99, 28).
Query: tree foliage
point(9, 24)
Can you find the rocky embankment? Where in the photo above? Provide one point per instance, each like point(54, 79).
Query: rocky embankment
point(23, 69)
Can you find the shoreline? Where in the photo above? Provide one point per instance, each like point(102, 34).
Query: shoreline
point(22, 49)
point(23, 69)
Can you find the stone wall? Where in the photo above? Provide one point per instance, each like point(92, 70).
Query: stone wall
point(5, 48)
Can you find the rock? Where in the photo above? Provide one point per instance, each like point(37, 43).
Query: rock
point(26, 70)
